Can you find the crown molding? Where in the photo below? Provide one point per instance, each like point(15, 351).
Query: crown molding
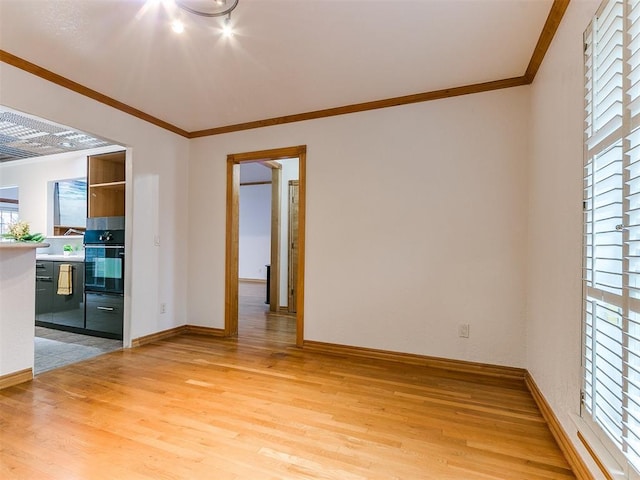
point(52, 77)
point(549, 30)
point(363, 107)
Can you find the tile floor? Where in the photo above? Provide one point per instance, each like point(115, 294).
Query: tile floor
point(55, 348)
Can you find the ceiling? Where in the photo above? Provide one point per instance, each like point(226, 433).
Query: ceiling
point(254, 173)
point(286, 57)
point(25, 136)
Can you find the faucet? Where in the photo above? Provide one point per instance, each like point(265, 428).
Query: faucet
point(72, 230)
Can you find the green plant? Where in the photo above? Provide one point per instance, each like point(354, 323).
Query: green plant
point(19, 231)
point(67, 248)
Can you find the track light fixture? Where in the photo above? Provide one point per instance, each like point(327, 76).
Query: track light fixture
point(208, 8)
point(201, 8)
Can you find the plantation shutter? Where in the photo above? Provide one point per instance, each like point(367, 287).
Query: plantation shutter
point(611, 363)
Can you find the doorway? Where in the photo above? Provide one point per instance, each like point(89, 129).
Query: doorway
point(232, 235)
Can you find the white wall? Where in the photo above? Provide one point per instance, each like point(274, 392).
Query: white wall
point(416, 221)
point(555, 219)
point(17, 288)
point(32, 177)
point(254, 246)
point(156, 195)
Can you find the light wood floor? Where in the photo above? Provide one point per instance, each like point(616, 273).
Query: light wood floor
point(194, 407)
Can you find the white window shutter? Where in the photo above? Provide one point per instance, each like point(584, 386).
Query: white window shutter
point(611, 347)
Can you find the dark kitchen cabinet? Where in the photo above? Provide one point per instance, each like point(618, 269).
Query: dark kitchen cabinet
point(44, 291)
point(104, 314)
point(53, 310)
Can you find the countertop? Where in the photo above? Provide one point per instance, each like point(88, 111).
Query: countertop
point(75, 257)
point(23, 245)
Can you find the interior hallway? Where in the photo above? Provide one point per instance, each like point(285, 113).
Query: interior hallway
point(256, 322)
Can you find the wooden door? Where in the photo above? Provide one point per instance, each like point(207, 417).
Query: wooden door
point(293, 244)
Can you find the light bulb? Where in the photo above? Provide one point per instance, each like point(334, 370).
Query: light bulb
point(227, 29)
point(177, 26)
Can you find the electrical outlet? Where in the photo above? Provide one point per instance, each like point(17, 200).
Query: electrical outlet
point(463, 330)
point(163, 308)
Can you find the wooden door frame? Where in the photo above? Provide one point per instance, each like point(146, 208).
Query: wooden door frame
point(233, 234)
point(276, 206)
point(291, 298)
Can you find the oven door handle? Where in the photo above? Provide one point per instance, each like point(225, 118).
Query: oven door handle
point(103, 246)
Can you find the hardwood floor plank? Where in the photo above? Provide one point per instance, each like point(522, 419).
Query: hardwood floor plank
point(257, 407)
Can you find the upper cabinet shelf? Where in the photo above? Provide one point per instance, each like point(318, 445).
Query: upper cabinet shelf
point(106, 168)
point(106, 182)
point(107, 185)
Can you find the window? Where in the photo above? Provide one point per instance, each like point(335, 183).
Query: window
point(611, 348)
point(7, 217)
point(69, 206)
point(8, 208)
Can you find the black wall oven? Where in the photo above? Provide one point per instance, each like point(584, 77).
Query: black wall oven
point(104, 256)
point(104, 261)
point(104, 269)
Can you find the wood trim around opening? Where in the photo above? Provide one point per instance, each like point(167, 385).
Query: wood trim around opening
point(549, 30)
point(276, 241)
point(232, 232)
point(302, 215)
point(232, 253)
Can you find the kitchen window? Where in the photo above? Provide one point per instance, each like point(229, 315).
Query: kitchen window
point(69, 206)
point(8, 215)
point(8, 208)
